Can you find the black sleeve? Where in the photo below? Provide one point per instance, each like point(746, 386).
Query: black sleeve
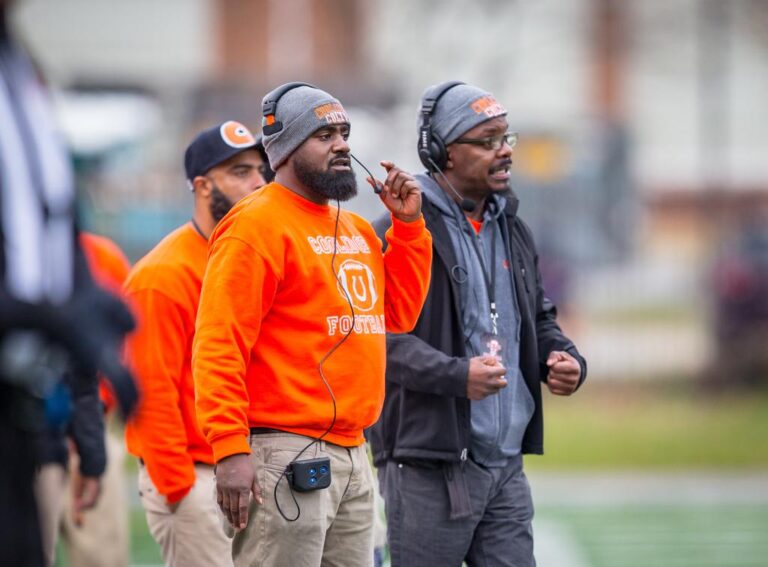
point(415, 365)
point(87, 425)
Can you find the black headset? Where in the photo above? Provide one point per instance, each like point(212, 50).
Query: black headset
point(432, 152)
point(269, 106)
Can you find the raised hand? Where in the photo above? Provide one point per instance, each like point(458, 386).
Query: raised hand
point(401, 193)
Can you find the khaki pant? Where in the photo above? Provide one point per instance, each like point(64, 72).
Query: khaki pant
point(190, 535)
point(107, 521)
point(51, 493)
point(335, 524)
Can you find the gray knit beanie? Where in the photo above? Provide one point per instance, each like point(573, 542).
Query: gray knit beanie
point(302, 112)
point(460, 109)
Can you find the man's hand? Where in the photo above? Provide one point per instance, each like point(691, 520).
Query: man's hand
point(235, 481)
point(401, 193)
point(85, 494)
point(485, 377)
point(564, 373)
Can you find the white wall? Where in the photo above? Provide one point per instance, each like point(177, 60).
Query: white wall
point(159, 42)
point(677, 143)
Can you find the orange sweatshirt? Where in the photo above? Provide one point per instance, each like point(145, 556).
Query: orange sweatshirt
point(109, 268)
point(271, 308)
point(164, 288)
point(108, 264)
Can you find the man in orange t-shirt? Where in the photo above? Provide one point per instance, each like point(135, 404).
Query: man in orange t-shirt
point(223, 164)
point(289, 350)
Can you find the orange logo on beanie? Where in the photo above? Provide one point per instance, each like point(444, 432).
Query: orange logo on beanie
point(332, 112)
point(489, 106)
point(236, 135)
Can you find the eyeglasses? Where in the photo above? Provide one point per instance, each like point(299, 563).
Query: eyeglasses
point(491, 142)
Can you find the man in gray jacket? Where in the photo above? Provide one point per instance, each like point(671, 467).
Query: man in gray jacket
point(463, 399)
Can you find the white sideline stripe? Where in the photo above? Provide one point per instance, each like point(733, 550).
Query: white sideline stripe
point(555, 547)
point(683, 487)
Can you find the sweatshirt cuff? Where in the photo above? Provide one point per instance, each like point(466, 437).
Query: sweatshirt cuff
point(232, 444)
point(408, 230)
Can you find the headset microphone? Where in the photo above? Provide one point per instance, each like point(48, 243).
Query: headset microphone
point(376, 183)
point(467, 205)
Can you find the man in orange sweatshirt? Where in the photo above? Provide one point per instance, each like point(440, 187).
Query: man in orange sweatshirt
point(176, 477)
point(289, 351)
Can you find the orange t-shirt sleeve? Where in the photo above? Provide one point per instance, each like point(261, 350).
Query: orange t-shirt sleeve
point(238, 289)
point(156, 355)
point(109, 268)
point(408, 268)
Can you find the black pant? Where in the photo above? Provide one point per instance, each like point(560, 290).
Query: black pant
point(20, 542)
point(497, 532)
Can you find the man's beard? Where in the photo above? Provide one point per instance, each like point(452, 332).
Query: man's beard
point(220, 205)
point(334, 185)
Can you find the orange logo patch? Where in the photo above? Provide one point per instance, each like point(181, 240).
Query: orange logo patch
point(332, 113)
point(236, 135)
point(489, 106)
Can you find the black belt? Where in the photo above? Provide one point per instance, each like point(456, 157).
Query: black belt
point(265, 430)
point(141, 462)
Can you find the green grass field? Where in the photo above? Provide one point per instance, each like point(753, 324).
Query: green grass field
point(664, 536)
point(653, 426)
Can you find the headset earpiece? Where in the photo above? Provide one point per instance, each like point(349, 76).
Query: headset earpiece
point(431, 148)
point(269, 107)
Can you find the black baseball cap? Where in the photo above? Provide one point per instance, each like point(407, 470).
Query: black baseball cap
point(266, 171)
point(216, 145)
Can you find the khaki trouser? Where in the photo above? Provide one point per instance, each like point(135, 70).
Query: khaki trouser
point(335, 524)
point(50, 492)
point(107, 521)
point(190, 535)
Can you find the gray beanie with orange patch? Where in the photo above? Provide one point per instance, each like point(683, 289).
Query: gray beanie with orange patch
point(299, 113)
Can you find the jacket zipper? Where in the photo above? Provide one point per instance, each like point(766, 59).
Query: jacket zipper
point(522, 271)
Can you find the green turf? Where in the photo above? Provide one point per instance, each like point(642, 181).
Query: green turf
point(652, 426)
point(144, 549)
point(668, 536)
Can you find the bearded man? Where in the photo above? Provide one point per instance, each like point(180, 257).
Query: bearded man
point(289, 351)
point(223, 164)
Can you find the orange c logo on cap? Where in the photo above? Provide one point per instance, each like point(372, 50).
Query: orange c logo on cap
point(236, 135)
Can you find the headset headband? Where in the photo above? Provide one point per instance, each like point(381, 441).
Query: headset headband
point(269, 107)
point(430, 100)
point(431, 148)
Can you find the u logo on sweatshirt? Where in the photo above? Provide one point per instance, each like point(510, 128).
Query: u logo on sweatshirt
point(358, 281)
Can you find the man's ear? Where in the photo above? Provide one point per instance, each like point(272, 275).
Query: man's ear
point(202, 186)
point(448, 161)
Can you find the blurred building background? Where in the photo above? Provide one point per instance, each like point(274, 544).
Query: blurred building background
point(642, 141)
point(642, 164)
